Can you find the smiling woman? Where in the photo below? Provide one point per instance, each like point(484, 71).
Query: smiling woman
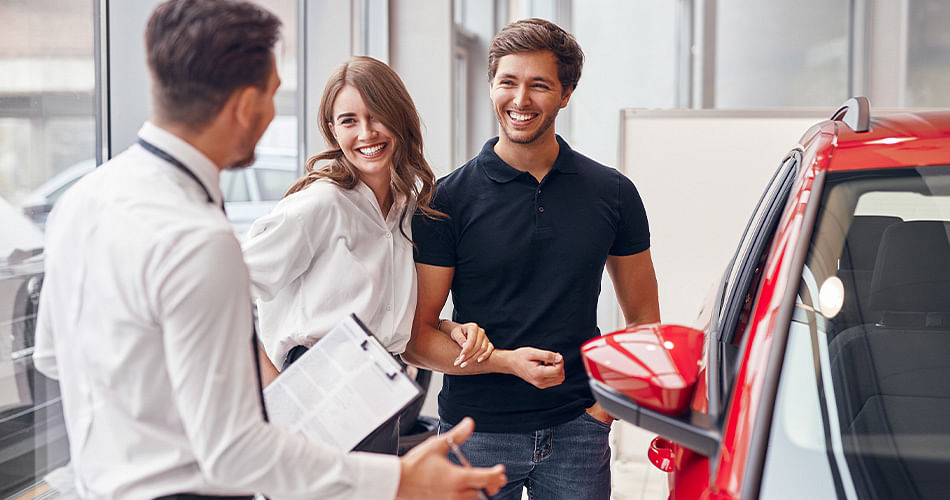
point(340, 241)
point(366, 142)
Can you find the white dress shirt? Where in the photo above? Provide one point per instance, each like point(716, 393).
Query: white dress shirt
point(325, 252)
point(145, 319)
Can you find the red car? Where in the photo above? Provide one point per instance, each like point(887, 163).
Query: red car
point(824, 370)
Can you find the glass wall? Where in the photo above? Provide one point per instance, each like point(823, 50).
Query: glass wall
point(780, 54)
point(928, 53)
point(47, 140)
point(282, 133)
point(47, 78)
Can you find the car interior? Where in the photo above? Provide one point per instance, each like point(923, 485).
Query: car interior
point(889, 349)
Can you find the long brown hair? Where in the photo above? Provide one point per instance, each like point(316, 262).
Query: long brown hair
point(388, 100)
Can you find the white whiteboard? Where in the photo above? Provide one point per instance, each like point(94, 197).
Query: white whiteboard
point(700, 174)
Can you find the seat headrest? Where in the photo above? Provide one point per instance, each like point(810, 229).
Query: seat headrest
point(912, 270)
point(863, 240)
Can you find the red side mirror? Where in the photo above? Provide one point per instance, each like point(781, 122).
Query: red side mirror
point(654, 365)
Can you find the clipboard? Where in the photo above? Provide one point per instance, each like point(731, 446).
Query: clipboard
point(342, 389)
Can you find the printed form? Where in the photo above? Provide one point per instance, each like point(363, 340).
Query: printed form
point(341, 389)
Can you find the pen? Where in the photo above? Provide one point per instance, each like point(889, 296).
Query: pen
point(457, 453)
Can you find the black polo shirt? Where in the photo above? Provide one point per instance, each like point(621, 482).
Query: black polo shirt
point(528, 261)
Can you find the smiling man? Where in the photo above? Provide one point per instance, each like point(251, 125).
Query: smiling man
point(531, 226)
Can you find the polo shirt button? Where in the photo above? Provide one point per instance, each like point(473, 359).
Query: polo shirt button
point(541, 209)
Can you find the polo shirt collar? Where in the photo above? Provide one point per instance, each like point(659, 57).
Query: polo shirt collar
point(497, 170)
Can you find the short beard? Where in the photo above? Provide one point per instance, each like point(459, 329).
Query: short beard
point(249, 141)
point(541, 131)
point(244, 162)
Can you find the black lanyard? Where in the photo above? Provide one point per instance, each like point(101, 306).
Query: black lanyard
point(159, 152)
point(175, 162)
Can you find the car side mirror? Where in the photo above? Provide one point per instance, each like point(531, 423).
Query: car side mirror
point(654, 365)
point(647, 375)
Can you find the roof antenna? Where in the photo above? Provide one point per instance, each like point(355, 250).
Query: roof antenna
point(855, 113)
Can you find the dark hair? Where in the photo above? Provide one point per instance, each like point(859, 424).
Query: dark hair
point(388, 100)
point(529, 35)
point(201, 51)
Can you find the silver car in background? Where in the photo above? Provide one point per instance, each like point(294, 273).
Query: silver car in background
point(248, 192)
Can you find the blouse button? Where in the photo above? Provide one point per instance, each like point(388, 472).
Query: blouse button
point(389, 307)
point(389, 235)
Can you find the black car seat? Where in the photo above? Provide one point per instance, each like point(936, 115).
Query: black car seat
point(856, 265)
point(892, 377)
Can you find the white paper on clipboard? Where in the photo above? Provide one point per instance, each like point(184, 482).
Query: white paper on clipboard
point(341, 389)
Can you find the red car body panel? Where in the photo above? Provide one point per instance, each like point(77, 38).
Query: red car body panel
point(901, 140)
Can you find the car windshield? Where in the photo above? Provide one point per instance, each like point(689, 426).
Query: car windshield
point(874, 304)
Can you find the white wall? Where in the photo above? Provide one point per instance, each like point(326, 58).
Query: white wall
point(629, 62)
point(701, 172)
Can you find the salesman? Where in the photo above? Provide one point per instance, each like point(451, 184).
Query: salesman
point(145, 314)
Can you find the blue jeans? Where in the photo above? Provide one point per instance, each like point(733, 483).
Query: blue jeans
point(570, 461)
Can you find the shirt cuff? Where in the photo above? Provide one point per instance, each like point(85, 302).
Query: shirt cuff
point(378, 475)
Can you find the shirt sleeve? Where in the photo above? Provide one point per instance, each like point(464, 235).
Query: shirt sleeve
point(278, 249)
point(633, 232)
point(435, 238)
point(204, 309)
point(44, 352)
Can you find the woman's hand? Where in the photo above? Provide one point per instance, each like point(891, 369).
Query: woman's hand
point(475, 344)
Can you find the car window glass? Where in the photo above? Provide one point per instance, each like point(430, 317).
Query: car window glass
point(875, 302)
point(797, 438)
point(234, 186)
point(273, 183)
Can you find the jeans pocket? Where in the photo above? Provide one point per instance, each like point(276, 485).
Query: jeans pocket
point(591, 418)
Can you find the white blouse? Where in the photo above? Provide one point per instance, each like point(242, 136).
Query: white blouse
point(325, 252)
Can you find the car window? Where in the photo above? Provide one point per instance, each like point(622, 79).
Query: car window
point(273, 183)
point(234, 185)
point(873, 317)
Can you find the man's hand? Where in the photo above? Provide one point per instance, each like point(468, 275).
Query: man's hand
point(538, 367)
point(427, 473)
point(475, 344)
point(600, 413)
